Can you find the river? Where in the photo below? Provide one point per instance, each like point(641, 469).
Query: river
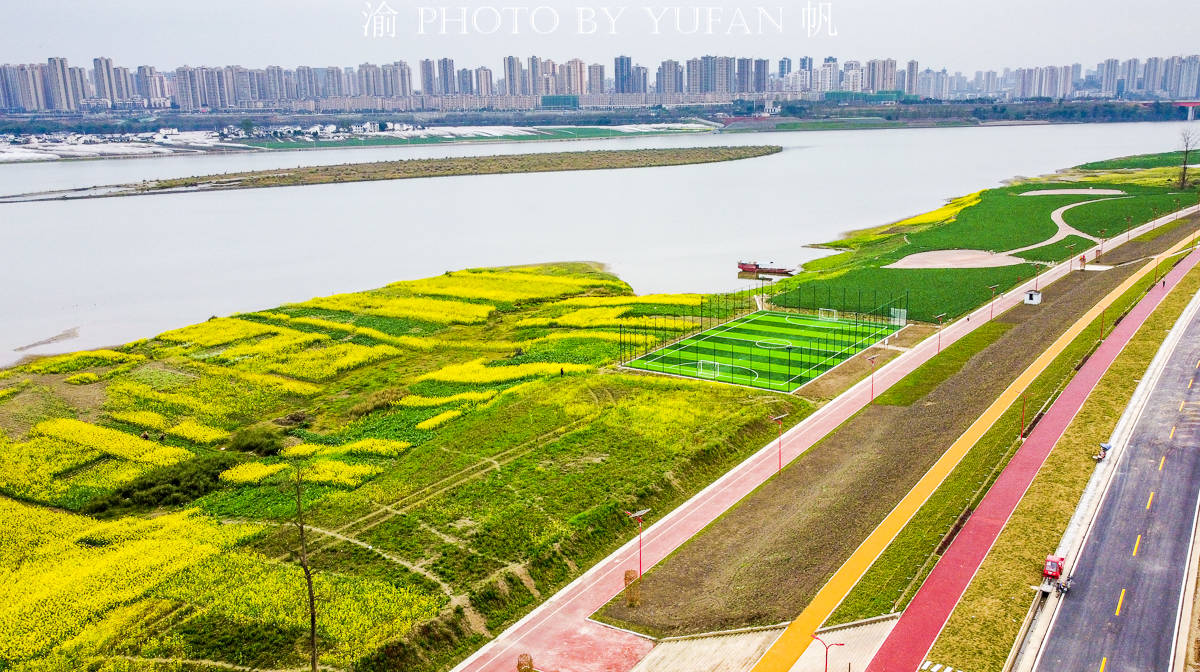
point(118, 269)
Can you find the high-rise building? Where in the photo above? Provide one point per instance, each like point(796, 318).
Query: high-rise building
point(483, 82)
point(785, 67)
point(1131, 73)
point(595, 78)
point(669, 78)
point(762, 75)
point(853, 76)
point(514, 77)
point(575, 76)
point(537, 82)
point(370, 80)
point(695, 76)
point(466, 82)
point(428, 78)
point(639, 80)
point(623, 75)
point(1152, 75)
point(1172, 69)
point(1109, 77)
point(911, 78)
point(58, 85)
point(102, 77)
point(744, 81)
point(306, 83)
point(447, 76)
point(1189, 77)
point(881, 75)
point(830, 77)
point(725, 77)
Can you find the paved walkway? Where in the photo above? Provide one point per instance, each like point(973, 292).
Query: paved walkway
point(911, 640)
point(559, 634)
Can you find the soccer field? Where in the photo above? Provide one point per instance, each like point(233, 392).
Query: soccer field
point(766, 349)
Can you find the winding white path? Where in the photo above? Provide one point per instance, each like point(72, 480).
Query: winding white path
point(987, 259)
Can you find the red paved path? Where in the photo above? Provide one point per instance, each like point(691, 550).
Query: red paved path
point(560, 636)
point(906, 647)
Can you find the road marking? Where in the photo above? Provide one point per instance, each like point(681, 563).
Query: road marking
point(1103, 662)
point(1181, 405)
point(1136, 544)
point(1172, 433)
point(1190, 383)
point(1161, 461)
point(1149, 500)
point(1120, 601)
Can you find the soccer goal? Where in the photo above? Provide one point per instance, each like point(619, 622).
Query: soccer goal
point(708, 369)
point(827, 314)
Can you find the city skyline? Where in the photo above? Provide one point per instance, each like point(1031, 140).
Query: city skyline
point(523, 83)
point(1022, 33)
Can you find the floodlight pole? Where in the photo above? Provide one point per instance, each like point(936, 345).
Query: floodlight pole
point(992, 305)
point(939, 319)
point(1102, 232)
point(827, 647)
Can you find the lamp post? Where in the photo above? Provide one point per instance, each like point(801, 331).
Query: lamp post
point(1071, 256)
point(1102, 232)
point(778, 419)
point(992, 305)
point(827, 647)
point(871, 359)
point(939, 319)
point(637, 515)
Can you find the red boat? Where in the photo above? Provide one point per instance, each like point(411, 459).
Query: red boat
point(753, 267)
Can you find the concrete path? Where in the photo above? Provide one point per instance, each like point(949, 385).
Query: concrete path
point(559, 634)
point(907, 647)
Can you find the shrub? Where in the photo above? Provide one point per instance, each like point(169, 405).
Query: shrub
point(259, 439)
point(175, 485)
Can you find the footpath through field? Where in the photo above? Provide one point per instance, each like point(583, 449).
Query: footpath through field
point(909, 642)
point(559, 633)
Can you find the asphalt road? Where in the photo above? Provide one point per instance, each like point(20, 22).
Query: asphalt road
point(1121, 612)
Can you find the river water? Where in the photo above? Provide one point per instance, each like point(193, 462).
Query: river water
point(118, 269)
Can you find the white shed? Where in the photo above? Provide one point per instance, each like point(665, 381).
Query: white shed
point(1033, 297)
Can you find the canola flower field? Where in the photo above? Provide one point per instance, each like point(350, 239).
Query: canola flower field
point(463, 444)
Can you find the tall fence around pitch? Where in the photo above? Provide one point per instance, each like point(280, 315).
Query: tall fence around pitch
point(819, 340)
point(866, 305)
point(642, 336)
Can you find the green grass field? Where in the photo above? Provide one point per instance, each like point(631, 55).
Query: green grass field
point(766, 349)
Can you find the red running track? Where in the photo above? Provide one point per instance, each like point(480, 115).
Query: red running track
point(906, 647)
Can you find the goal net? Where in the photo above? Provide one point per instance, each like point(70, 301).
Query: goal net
point(707, 369)
point(827, 314)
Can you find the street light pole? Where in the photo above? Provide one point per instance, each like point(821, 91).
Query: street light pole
point(871, 359)
point(939, 319)
point(637, 515)
point(992, 305)
point(778, 419)
point(827, 647)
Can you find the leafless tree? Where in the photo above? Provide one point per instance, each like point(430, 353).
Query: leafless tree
point(1189, 141)
point(312, 599)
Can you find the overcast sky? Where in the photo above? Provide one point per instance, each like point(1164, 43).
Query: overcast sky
point(964, 35)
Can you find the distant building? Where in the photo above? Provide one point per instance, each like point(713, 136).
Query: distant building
point(911, 78)
point(428, 78)
point(785, 67)
point(483, 82)
point(623, 75)
point(595, 78)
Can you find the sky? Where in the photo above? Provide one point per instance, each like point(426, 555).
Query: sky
point(960, 35)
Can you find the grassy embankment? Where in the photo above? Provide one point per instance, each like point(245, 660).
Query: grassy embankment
point(984, 625)
point(540, 133)
point(472, 165)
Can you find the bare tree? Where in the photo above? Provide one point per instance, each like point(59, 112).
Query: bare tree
point(1189, 141)
point(312, 599)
